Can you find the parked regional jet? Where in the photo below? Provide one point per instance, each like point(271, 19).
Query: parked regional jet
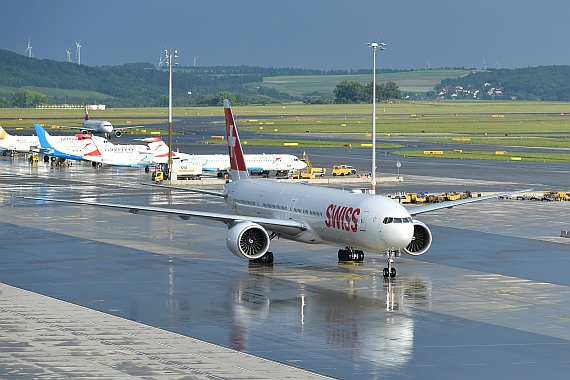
point(67, 147)
point(139, 156)
point(100, 126)
point(20, 143)
point(221, 162)
point(265, 209)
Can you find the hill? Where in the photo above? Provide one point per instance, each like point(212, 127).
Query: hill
point(545, 83)
point(28, 81)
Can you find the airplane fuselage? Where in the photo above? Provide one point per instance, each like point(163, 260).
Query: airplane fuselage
point(98, 126)
point(332, 216)
point(255, 162)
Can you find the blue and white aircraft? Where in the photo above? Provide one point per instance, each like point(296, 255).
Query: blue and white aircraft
point(73, 148)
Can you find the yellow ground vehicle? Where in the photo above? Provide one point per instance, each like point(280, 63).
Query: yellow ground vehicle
point(310, 171)
point(343, 170)
point(157, 176)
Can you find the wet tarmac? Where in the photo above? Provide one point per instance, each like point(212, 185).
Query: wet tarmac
point(490, 298)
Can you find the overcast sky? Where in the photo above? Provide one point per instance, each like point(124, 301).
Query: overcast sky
point(318, 34)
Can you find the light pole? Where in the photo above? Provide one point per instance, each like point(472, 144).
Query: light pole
point(374, 46)
point(168, 57)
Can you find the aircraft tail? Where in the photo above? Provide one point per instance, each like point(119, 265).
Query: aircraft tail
point(237, 161)
point(159, 147)
point(91, 150)
point(43, 136)
point(3, 134)
point(86, 111)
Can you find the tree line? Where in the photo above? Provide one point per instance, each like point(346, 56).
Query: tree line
point(546, 83)
point(143, 85)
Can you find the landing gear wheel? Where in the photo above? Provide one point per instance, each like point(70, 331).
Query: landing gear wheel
point(390, 271)
point(265, 259)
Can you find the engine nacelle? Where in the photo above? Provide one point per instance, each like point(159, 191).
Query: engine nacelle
point(421, 241)
point(84, 131)
point(248, 240)
point(118, 133)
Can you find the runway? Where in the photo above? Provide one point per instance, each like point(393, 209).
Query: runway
point(89, 292)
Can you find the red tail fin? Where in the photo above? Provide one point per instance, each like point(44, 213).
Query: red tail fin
point(237, 161)
point(86, 112)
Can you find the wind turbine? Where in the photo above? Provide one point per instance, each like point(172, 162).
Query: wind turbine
point(68, 55)
point(78, 51)
point(195, 58)
point(29, 49)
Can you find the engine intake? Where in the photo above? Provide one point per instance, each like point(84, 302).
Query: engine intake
point(421, 241)
point(248, 240)
point(118, 133)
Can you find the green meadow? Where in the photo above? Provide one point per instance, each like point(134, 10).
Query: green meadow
point(501, 124)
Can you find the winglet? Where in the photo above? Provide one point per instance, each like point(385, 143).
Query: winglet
point(237, 161)
point(86, 111)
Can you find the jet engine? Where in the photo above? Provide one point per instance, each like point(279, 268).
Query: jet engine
point(248, 240)
point(84, 131)
point(421, 241)
point(118, 133)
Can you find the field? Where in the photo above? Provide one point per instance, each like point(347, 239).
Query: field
point(500, 124)
point(416, 81)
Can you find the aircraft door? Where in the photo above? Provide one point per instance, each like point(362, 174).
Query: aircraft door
point(362, 220)
point(291, 206)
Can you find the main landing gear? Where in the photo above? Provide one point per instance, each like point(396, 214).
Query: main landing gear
point(350, 254)
point(390, 271)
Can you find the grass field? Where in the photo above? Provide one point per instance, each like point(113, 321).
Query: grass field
point(415, 81)
point(503, 124)
point(491, 156)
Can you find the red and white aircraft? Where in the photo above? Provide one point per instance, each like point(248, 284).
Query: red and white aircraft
point(265, 209)
point(103, 127)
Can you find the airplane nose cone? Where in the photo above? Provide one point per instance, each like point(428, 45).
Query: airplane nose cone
point(402, 234)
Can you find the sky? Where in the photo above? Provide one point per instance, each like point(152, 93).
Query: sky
point(310, 34)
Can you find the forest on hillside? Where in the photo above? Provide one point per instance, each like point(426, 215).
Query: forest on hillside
point(28, 82)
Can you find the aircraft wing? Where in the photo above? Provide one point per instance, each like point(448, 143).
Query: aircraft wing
point(189, 189)
point(129, 127)
point(291, 227)
point(415, 210)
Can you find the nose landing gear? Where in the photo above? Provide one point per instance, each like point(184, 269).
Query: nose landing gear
point(390, 271)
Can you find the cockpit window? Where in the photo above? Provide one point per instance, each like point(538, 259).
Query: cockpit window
point(389, 219)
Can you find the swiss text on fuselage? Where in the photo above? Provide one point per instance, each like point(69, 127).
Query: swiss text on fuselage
point(342, 217)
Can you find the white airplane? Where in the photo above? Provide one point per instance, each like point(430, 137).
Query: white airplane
point(221, 162)
point(265, 209)
point(140, 156)
point(19, 143)
point(100, 126)
point(14, 143)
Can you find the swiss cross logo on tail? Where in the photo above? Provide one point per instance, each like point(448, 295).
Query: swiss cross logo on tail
point(237, 161)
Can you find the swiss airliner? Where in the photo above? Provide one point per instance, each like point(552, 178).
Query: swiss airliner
point(265, 209)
